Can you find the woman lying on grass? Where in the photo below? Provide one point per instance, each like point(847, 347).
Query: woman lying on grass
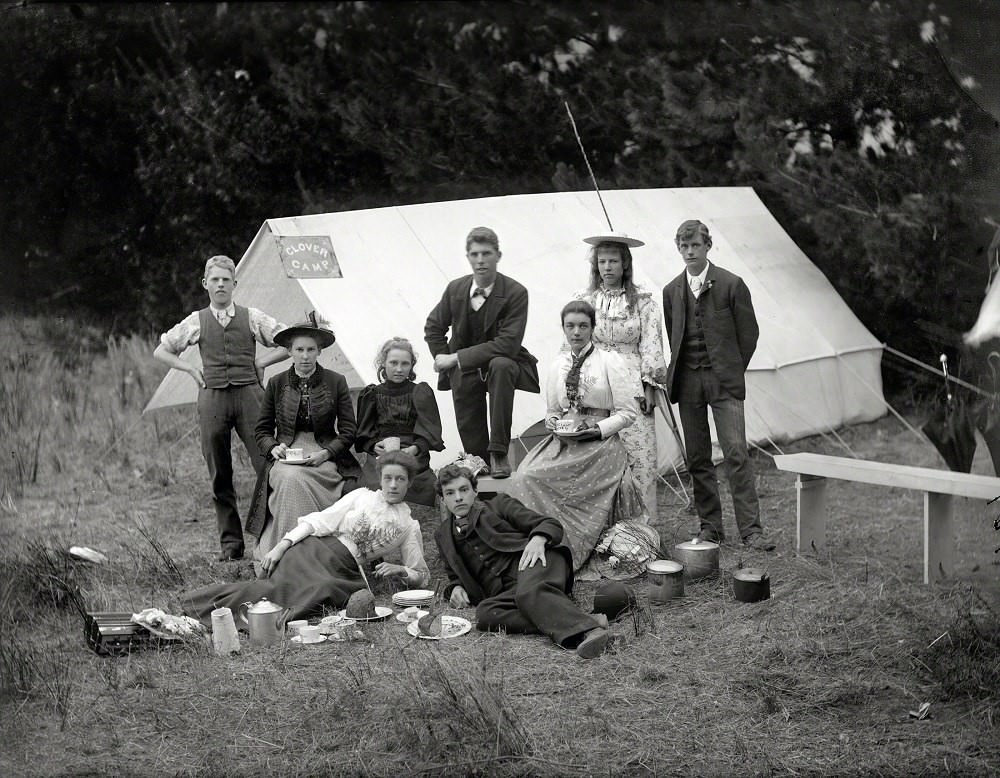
point(319, 563)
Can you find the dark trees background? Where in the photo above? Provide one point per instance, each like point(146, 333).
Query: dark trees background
point(139, 139)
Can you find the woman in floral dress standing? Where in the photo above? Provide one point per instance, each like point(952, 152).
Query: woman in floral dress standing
point(629, 323)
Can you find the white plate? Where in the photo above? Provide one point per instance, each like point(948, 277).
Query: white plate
point(381, 612)
point(412, 595)
point(292, 461)
point(298, 639)
point(405, 617)
point(451, 627)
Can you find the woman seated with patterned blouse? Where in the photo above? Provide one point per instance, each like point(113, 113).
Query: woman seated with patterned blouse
point(582, 477)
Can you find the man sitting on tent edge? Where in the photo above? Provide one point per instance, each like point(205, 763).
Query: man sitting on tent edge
point(487, 313)
point(229, 385)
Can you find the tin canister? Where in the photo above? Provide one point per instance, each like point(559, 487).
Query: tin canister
point(666, 580)
point(699, 557)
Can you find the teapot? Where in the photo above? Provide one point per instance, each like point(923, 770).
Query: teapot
point(265, 621)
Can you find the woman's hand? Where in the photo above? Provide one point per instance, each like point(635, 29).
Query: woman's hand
point(273, 556)
point(386, 569)
point(533, 552)
point(590, 432)
point(278, 452)
point(459, 598)
point(550, 423)
point(412, 451)
point(647, 403)
point(317, 458)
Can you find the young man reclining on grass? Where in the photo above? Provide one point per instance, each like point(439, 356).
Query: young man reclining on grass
point(511, 564)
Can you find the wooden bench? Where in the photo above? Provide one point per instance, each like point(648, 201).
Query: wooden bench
point(487, 483)
point(938, 486)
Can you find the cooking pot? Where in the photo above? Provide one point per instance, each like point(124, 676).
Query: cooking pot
point(265, 621)
point(751, 584)
point(700, 558)
point(666, 580)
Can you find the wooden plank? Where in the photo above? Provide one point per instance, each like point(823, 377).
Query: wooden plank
point(487, 483)
point(810, 524)
point(939, 537)
point(924, 479)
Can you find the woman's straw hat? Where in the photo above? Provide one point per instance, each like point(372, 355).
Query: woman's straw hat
point(614, 237)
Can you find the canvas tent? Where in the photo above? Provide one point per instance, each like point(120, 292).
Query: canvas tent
point(816, 366)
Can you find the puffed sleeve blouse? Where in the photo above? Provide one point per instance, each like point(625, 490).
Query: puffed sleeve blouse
point(605, 382)
point(369, 528)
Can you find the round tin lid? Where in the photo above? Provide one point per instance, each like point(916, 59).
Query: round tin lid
point(754, 574)
point(664, 566)
point(264, 605)
point(696, 544)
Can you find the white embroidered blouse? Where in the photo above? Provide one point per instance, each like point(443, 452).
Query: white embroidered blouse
point(605, 382)
point(369, 528)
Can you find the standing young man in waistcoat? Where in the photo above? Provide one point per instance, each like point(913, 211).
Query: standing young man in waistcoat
point(486, 313)
point(229, 385)
point(713, 333)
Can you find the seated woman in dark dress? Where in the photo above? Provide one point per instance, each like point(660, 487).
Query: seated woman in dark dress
point(400, 409)
point(320, 563)
point(306, 407)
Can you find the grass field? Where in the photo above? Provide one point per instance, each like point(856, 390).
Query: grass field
point(817, 680)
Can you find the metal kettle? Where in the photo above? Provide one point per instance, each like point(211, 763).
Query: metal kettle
point(265, 621)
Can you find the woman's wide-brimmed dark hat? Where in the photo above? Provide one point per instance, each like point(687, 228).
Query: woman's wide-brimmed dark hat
point(314, 327)
point(614, 598)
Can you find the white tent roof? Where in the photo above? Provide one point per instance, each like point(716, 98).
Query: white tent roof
point(816, 367)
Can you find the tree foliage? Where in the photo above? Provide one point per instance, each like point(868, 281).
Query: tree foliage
point(143, 138)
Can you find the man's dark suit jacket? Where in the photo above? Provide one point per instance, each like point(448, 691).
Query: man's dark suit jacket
point(505, 315)
point(727, 320)
point(504, 524)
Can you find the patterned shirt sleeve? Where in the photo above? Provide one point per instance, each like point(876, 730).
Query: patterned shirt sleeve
point(412, 551)
point(182, 335)
point(653, 366)
point(264, 327)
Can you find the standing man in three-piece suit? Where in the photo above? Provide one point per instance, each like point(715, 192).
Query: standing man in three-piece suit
point(713, 334)
point(487, 313)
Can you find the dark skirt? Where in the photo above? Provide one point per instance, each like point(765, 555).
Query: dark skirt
point(315, 575)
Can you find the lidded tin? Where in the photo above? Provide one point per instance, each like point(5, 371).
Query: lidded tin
point(699, 557)
point(751, 584)
point(666, 580)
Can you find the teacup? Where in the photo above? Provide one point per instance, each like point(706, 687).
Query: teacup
point(566, 425)
point(413, 613)
point(391, 444)
point(295, 627)
point(309, 634)
point(294, 455)
point(342, 630)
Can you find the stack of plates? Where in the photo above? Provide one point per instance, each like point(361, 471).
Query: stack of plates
point(417, 597)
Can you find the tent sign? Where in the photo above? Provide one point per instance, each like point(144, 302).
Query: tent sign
point(304, 256)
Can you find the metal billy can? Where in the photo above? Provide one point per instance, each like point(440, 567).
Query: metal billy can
point(699, 557)
point(666, 580)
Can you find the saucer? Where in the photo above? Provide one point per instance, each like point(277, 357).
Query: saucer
point(292, 461)
point(403, 618)
point(298, 639)
point(573, 434)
